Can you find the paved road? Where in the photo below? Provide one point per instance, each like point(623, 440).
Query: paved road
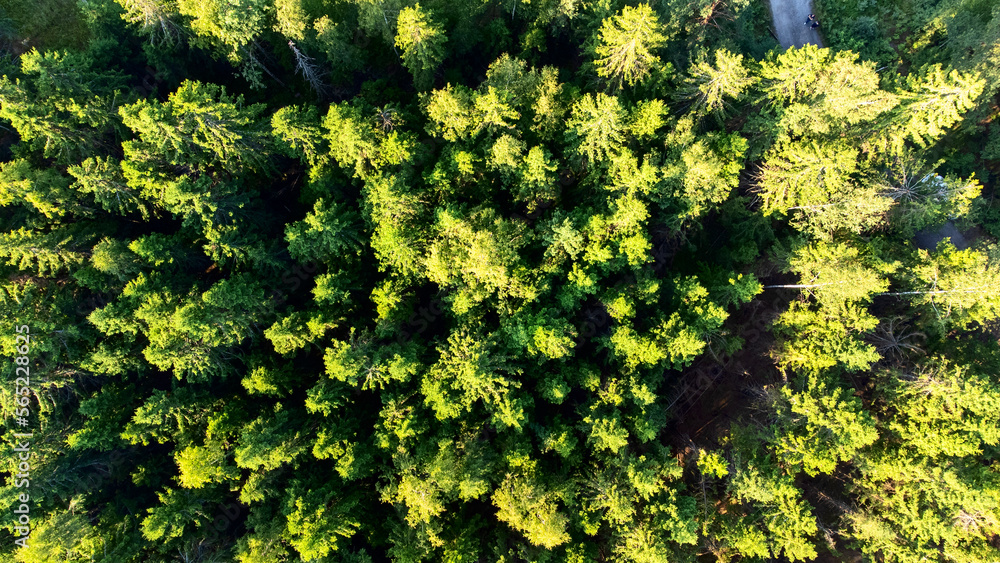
point(789, 17)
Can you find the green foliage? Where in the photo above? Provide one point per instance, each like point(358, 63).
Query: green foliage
point(934, 101)
point(355, 139)
point(327, 231)
point(450, 112)
point(530, 509)
point(923, 198)
point(625, 46)
point(41, 252)
point(319, 520)
point(954, 287)
point(779, 520)
point(233, 26)
point(709, 87)
point(943, 410)
point(821, 426)
point(63, 533)
point(814, 90)
point(114, 257)
point(298, 130)
point(469, 370)
point(838, 273)
point(103, 179)
point(45, 191)
point(422, 42)
point(596, 128)
point(62, 106)
point(937, 420)
point(269, 442)
point(155, 17)
point(711, 464)
point(675, 340)
point(476, 255)
point(704, 172)
point(543, 334)
point(819, 186)
point(199, 126)
point(527, 296)
point(824, 338)
point(199, 466)
point(47, 24)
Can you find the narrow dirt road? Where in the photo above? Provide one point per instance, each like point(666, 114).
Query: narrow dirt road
point(789, 18)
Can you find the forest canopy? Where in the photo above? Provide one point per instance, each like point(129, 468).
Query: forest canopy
point(499, 280)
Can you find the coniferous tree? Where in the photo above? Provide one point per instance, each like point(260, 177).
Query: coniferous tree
point(422, 43)
point(537, 312)
point(157, 18)
point(626, 44)
point(62, 106)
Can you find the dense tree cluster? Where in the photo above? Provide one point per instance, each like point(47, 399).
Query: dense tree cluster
point(470, 280)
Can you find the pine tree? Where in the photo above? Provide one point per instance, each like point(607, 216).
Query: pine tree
point(399, 234)
point(298, 130)
point(821, 425)
point(114, 257)
point(366, 139)
point(469, 370)
point(292, 19)
point(199, 126)
point(493, 110)
point(596, 128)
point(62, 107)
point(700, 171)
point(451, 112)
point(952, 287)
point(817, 91)
point(46, 191)
point(103, 179)
point(843, 282)
point(820, 186)
point(942, 409)
point(477, 255)
point(529, 508)
point(626, 45)
point(835, 273)
point(335, 39)
point(155, 17)
point(235, 27)
point(44, 253)
point(422, 42)
point(321, 518)
point(937, 418)
point(933, 102)
point(709, 88)
point(924, 198)
point(328, 231)
point(775, 518)
point(376, 17)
